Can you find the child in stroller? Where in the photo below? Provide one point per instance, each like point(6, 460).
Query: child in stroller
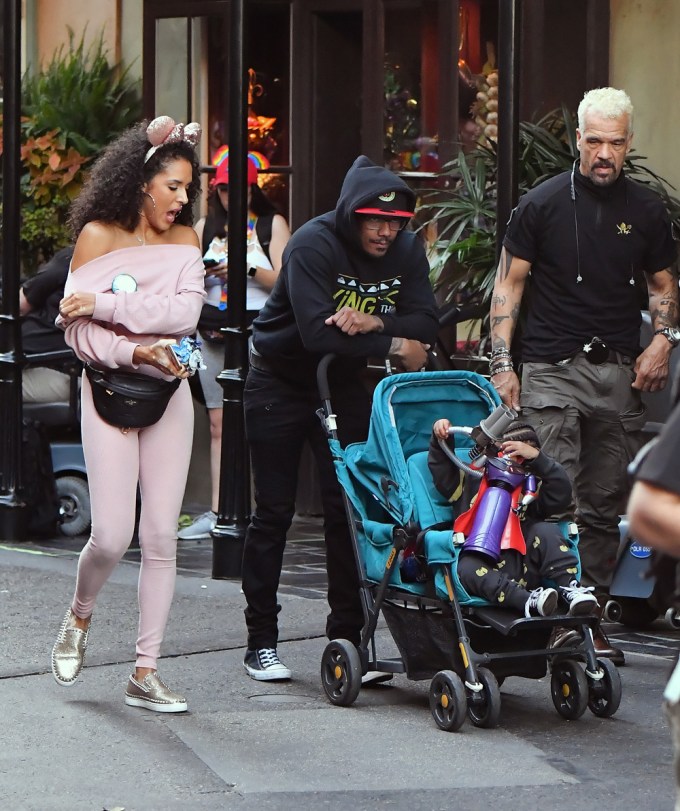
point(520, 488)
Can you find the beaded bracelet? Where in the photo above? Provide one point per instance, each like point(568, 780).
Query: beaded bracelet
point(500, 351)
point(506, 367)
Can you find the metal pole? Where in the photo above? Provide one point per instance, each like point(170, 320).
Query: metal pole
point(234, 497)
point(13, 511)
point(509, 25)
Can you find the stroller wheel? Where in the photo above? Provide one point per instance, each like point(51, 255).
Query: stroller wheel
point(672, 617)
point(605, 693)
point(484, 706)
point(636, 613)
point(447, 700)
point(569, 688)
point(341, 672)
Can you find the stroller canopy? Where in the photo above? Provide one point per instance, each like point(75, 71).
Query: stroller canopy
point(405, 406)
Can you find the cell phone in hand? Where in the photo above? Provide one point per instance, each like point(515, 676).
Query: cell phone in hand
point(175, 352)
point(209, 263)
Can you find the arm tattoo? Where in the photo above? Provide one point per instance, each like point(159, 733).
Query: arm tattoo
point(395, 346)
point(663, 299)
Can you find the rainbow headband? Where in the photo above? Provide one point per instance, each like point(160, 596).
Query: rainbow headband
point(256, 158)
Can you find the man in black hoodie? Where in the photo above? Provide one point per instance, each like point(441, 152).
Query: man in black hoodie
point(356, 284)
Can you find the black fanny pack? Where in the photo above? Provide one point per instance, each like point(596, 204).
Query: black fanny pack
point(128, 400)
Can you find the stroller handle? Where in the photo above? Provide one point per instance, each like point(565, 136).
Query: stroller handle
point(322, 375)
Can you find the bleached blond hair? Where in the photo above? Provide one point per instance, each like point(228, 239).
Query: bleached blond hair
point(607, 102)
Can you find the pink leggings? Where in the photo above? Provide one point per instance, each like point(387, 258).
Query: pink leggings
point(158, 457)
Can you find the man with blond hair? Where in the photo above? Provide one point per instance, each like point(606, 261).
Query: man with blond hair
point(584, 238)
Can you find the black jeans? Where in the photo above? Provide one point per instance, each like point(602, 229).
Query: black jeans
point(279, 418)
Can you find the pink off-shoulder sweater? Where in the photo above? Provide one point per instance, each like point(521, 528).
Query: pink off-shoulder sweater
point(166, 304)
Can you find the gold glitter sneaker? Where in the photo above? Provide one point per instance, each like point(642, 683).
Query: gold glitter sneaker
point(69, 651)
point(153, 694)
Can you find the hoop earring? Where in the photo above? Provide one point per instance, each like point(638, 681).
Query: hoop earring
point(151, 196)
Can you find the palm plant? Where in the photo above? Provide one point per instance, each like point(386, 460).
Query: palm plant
point(81, 95)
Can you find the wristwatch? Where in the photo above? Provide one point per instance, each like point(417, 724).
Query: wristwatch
point(671, 333)
point(252, 271)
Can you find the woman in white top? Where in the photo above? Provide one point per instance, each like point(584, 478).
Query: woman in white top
point(267, 235)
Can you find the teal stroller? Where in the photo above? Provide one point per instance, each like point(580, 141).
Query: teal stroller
point(407, 563)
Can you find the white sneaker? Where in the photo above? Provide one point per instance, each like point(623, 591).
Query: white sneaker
point(200, 527)
point(541, 603)
point(264, 665)
point(580, 599)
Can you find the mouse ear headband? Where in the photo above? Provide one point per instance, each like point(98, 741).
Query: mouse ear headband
point(163, 130)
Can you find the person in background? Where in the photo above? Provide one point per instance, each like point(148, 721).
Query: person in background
point(39, 299)
point(654, 519)
point(267, 236)
point(136, 286)
point(356, 284)
point(584, 236)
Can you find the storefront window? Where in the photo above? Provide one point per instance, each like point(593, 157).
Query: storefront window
point(410, 134)
point(267, 54)
point(413, 62)
point(172, 67)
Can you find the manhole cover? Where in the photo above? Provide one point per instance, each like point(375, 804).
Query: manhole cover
point(282, 698)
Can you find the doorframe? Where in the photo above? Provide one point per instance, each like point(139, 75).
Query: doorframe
point(163, 9)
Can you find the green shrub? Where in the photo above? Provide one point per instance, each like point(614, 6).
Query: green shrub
point(71, 110)
point(84, 97)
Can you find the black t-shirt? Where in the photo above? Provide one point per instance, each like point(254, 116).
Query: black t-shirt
point(607, 236)
point(43, 292)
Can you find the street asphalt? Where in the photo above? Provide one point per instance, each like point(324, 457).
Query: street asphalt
point(252, 745)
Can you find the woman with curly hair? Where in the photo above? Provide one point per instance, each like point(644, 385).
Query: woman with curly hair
point(135, 287)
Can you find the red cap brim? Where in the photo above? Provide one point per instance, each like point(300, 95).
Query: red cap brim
point(382, 213)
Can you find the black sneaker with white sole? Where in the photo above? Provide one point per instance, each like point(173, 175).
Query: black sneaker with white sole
point(580, 599)
point(264, 664)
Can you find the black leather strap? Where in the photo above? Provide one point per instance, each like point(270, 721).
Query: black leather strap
point(260, 363)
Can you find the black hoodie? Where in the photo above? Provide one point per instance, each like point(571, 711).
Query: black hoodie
point(325, 268)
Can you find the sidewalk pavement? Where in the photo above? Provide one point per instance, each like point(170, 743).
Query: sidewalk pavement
point(252, 745)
